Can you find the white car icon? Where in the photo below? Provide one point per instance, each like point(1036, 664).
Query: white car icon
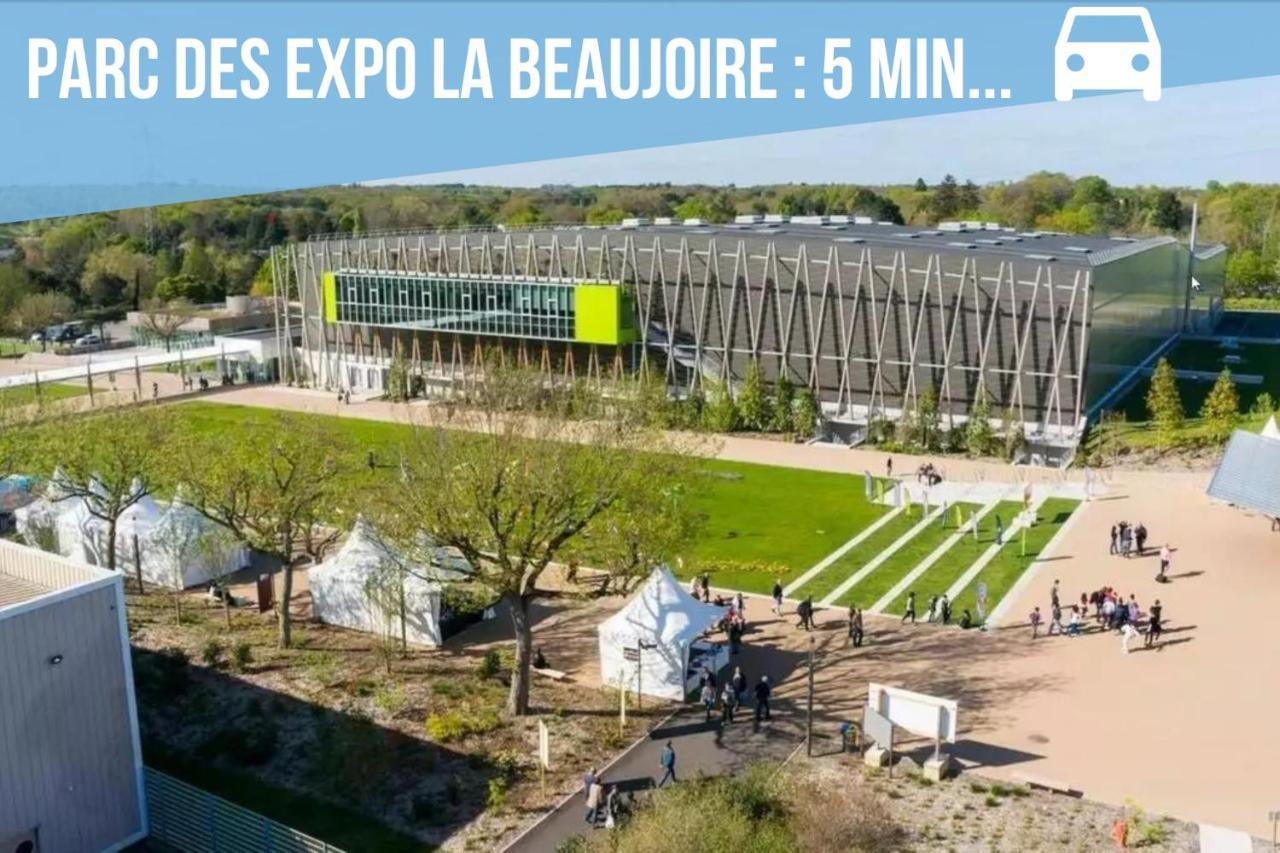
point(1082, 61)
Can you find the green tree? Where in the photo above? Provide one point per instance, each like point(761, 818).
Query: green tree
point(753, 401)
point(806, 414)
point(198, 265)
point(719, 412)
point(164, 321)
point(978, 435)
point(398, 376)
point(1221, 409)
point(1264, 404)
point(782, 405)
point(1013, 434)
point(925, 421)
point(1164, 403)
point(524, 487)
point(272, 487)
point(945, 202)
point(111, 273)
point(111, 461)
point(15, 286)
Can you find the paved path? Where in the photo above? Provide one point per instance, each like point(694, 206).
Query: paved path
point(701, 748)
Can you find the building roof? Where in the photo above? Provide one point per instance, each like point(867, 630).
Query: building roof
point(1249, 474)
point(661, 612)
point(15, 590)
point(989, 239)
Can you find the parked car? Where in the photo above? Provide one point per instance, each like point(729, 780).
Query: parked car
point(87, 342)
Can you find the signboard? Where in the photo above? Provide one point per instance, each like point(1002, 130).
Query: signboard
point(544, 746)
point(927, 716)
point(630, 654)
point(877, 728)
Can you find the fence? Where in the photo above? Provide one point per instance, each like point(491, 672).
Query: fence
point(195, 821)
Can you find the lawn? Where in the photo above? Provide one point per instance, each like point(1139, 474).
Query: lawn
point(959, 557)
point(25, 395)
point(864, 552)
point(765, 522)
point(1009, 564)
point(871, 588)
point(761, 521)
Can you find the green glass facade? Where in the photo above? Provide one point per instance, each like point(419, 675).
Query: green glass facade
point(475, 305)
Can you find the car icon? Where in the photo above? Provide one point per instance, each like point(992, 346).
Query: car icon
point(1106, 48)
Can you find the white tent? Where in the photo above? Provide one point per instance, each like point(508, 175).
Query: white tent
point(1270, 430)
point(171, 541)
point(345, 589)
point(662, 620)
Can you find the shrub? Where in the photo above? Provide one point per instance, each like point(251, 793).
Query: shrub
point(455, 724)
point(496, 797)
point(992, 801)
point(490, 664)
point(241, 656)
point(1263, 405)
point(211, 654)
point(390, 698)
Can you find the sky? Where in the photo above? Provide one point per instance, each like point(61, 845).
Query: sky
point(1226, 131)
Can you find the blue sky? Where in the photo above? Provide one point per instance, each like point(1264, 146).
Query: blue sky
point(1225, 131)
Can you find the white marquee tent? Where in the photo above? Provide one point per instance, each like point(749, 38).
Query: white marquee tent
point(666, 619)
point(341, 588)
point(165, 538)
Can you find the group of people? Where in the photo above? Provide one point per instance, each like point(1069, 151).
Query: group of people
point(939, 611)
point(734, 623)
point(604, 800)
point(928, 474)
point(1111, 612)
point(727, 698)
point(1128, 539)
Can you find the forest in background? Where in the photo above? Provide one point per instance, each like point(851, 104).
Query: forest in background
point(96, 266)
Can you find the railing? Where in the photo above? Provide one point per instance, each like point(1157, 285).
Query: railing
point(195, 821)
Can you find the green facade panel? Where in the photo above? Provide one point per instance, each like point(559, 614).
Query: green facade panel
point(330, 292)
point(603, 314)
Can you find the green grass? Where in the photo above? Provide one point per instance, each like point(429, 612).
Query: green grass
point(25, 395)
point(775, 518)
point(959, 557)
point(334, 824)
point(871, 588)
point(1009, 564)
point(821, 584)
point(766, 521)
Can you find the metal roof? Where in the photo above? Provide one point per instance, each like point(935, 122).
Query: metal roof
point(1249, 474)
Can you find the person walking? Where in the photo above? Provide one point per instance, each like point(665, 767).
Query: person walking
point(1133, 613)
point(588, 779)
point(933, 610)
point(738, 682)
point(1073, 625)
point(1127, 634)
point(805, 611)
point(1055, 621)
point(888, 467)
point(611, 805)
point(946, 610)
point(853, 612)
point(708, 699)
point(911, 608)
point(1165, 557)
point(740, 604)
point(1054, 600)
point(999, 530)
point(762, 698)
point(1140, 538)
point(667, 761)
point(1035, 623)
point(594, 795)
point(728, 704)
point(777, 597)
point(1155, 625)
point(1115, 540)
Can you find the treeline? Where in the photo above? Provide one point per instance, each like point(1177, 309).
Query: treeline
point(103, 264)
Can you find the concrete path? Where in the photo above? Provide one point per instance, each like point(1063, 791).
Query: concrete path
point(701, 748)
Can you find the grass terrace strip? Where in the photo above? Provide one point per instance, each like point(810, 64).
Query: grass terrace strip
point(1004, 570)
point(25, 395)
point(870, 589)
point(835, 574)
point(959, 557)
point(762, 515)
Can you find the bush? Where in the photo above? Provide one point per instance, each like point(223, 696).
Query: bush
point(490, 664)
point(390, 698)
point(241, 656)
point(452, 725)
point(211, 654)
point(496, 797)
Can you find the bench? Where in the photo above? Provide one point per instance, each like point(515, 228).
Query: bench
point(553, 674)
